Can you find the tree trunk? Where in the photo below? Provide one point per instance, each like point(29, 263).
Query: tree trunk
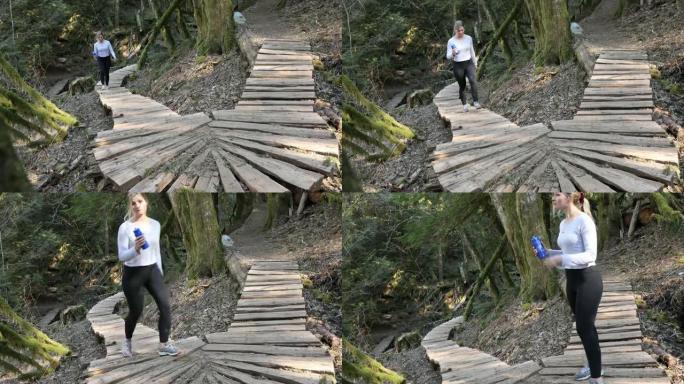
point(440, 263)
point(155, 30)
point(503, 42)
point(484, 273)
point(166, 31)
point(181, 24)
point(491, 284)
point(215, 25)
point(609, 219)
point(502, 28)
point(196, 216)
point(635, 216)
point(12, 175)
point(551, 28)
point(522, 216)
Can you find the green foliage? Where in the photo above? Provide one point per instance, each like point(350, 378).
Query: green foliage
point(668, 210)
point(392, 247)
point(359, 367)
point(25, 350)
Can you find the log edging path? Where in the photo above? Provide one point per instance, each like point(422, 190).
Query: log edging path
point(612, 143)
point(267, 341)
point(273, 141)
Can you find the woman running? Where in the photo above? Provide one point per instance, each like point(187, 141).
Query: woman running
point(103, 52)
point(143, 269)
point(461, 52)
point(578, 241)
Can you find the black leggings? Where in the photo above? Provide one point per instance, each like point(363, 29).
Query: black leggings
point(103, 63)
point(584, 290)
point(463, 69)
point(134, 279)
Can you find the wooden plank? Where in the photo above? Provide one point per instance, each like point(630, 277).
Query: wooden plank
point(660, 154)
point(274, 129)
point(276, 338)
point(584, 181)
point(279, 375)
point(613, 138)
point(616, 178)
point(266, 349)
point(649, 170)
point(320, 146)
point(251, 177)
point(285, 95)
point(302, 119)
point(616, 104)
point(228, 180)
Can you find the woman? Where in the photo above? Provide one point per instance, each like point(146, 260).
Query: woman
point(461, 52)
point(578, 241)
point(143, 268)
point(103, 52)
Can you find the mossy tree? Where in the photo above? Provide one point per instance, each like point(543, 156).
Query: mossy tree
point(215, 25)
point(196, 215)
point(551, 28)
point(28, 116)
point(522, 216)
point(24, 349)
point(359, 367)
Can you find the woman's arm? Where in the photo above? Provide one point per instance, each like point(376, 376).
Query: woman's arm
point(111, 50)
point(157, 233)
point(472, 52)
point(590, 241)
point(125, 253)
point(449, 55)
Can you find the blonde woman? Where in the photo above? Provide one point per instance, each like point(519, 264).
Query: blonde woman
point(578, 241)
point(138, 243)
point(461, 53)
point(103, 52)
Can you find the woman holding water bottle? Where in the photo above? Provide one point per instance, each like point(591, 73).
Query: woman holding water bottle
point(578, 241)
point(138, 243)
point(461, 53)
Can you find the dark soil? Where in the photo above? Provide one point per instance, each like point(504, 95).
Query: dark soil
point(413, 364)
point(189, 83)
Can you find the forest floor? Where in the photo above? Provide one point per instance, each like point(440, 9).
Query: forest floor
point(186, 83)
point(528, 95)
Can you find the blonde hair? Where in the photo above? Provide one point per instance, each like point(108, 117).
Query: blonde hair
point(99, 33)
point(581, 202)
point(458, 24)
point(129, 211)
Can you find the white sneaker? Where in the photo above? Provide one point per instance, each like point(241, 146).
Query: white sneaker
point(168, 350)
point(127, 348)
point(106, 87)
point(477, 105)
point(596, 381)
point(465, 107)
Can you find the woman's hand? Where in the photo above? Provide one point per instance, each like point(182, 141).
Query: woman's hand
point(552, 262)
point(139, 242)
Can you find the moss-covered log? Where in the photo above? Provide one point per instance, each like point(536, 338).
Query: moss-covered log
point(551, 29)
point(498, 35)
point(215, 25)
point(24, 349)
point(34, 112)
point(357, 367)
point(196, 215)
point(522, 217)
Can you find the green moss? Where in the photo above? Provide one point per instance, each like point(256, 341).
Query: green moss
point(356, 365)
point(324, 297)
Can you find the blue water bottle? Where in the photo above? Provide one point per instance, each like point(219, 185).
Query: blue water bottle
point(137, 232)
point(539, 247)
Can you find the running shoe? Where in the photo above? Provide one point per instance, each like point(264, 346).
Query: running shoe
point(465, 107)
point(127, 348)
point(477, 105)
point(168, 350)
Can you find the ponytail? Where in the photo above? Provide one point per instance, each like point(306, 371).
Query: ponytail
point(582, 203)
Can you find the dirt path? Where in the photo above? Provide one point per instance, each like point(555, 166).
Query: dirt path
point(251, 242)
point(602, 31)
point(264, 19)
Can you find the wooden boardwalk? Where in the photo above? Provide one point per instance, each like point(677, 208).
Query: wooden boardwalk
point(612, 144)
point(271, 142)
point(620, 336)
point(267, 341)
point(461, 365)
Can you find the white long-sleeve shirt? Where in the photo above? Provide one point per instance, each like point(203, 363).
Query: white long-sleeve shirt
point(103, 49)
point(126, 242)
point(464, 47)
point(578, 240)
